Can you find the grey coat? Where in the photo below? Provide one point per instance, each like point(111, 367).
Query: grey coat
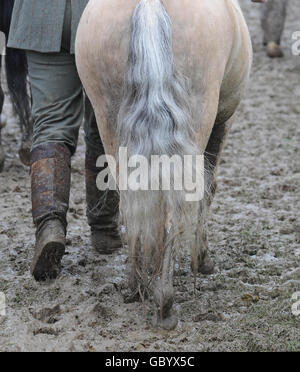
point(38, 24)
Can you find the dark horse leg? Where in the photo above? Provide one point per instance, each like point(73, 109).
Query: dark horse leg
point(2, 123)
point(16, 76)
point(201, 261)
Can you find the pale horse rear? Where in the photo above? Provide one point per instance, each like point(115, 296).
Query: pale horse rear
point(164, 78)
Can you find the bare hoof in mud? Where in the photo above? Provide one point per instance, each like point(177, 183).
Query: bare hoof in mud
point(168, 323)
point(207, 266)
point(274, 51)
point(164, 299)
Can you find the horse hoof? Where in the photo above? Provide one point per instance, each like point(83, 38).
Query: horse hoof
point(24, 155)
point(207, 266)
point(274, 50)
point(169, 323)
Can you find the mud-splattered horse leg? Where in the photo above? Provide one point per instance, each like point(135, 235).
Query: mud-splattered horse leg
point(201, 262)
point(164, 292)
point(2, 124)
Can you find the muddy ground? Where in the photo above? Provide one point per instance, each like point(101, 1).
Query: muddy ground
point(254, 234)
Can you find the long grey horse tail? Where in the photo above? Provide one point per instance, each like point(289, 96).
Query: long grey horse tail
point(154, 119)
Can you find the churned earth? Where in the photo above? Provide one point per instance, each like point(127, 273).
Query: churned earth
point(254, 234)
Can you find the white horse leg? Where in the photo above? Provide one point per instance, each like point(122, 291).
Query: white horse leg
point(201, 262)
point(164, 292)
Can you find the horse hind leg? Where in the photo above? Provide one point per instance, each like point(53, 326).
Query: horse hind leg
point(2, 154)
point(150, 277)
point(2, 124)
point(25, 148)
point(24, 151)
point(201, 262)
point(164, 292)
point(16, 76)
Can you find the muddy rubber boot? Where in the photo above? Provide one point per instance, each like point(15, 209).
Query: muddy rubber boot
point(102, 210)
point(274, 50)
point(50, 187)
point(273, 16)
point(49, 250)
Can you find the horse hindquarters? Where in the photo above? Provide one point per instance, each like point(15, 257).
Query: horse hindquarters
point(154, 120)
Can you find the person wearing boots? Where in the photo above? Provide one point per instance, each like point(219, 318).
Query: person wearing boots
point(46, 30)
